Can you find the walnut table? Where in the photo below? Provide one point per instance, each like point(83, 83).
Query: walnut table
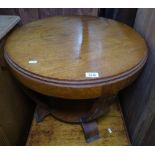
point(82, 61)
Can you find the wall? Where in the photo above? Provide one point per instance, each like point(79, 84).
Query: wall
point(138, 100)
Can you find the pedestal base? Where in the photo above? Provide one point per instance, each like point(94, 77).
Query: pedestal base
point(52, 132)
point(84, 112)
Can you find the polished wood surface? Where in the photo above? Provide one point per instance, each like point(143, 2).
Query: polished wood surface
point(54, 132)
point(65, 48)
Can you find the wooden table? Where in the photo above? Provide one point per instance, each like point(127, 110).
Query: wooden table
point(76, 57)
point(53, 55)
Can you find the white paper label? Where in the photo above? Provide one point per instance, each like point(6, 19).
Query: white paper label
point(33, 61)
point(92, 74)
point(109, 130)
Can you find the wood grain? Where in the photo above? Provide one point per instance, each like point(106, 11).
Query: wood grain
point(55, 133)
point(67, 47)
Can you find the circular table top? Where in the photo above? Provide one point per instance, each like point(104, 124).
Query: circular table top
point(70, 49)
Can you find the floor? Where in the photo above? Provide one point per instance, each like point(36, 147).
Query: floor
point(55, 133)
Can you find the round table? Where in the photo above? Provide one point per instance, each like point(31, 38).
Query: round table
point(76, 57)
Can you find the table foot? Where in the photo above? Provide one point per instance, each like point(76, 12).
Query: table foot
point(41, 112)
point(90, 131)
